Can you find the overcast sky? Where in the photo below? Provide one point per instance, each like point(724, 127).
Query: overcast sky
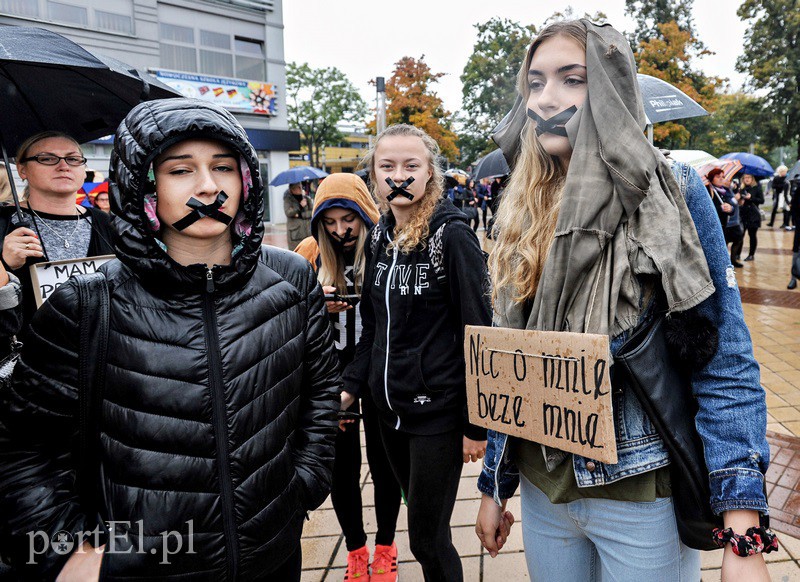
point(364, 38)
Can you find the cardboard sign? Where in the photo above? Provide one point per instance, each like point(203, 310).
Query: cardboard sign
point(47, 277)
point(547, 387)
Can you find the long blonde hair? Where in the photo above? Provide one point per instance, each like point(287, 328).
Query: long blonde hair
point(528, 212)
point(332, 266)
point(415, 233)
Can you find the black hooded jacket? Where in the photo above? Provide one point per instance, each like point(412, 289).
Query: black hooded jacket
point(218, 419)
point(411, 350)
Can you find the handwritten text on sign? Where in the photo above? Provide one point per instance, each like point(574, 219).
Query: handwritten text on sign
point(47, 277)
point(547, 387)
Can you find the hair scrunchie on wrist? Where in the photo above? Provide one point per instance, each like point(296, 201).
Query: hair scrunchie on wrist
point(757, 540)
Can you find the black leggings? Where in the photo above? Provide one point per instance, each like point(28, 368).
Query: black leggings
point(751, 232)
point(290, 570)
point(429, 469)
point(346, 488)
point(736, 247)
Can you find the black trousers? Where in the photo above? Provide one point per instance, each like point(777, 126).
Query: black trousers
point(736, 247)
point(346, 488)
point(787, 216)
point(428, 469)
point(485, 211)
point(291, 569)
point(752, 233)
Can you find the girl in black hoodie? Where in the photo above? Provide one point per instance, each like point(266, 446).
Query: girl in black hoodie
point(426, 279)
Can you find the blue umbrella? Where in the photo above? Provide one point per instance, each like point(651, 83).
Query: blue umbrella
point(296, 175)
point(752, 164)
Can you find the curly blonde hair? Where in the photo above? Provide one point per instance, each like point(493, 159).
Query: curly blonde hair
point(415, 232)
point(528, 212)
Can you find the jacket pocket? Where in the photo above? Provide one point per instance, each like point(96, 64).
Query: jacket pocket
point(402, 371)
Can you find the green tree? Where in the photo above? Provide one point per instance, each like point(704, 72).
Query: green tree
point(490, 81)
point(650, 13)
point(739, 121)
point(668, 56)
point(317, 100)
point(771, 49)
point(411, 99)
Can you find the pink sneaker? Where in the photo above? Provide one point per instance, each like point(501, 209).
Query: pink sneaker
point(357, 565)
point(384, 564)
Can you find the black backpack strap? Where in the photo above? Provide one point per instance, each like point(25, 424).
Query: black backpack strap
point(436, 252)
point(375, 238)
point(94, 311)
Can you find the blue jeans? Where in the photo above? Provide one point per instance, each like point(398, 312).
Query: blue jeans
point(603, 540)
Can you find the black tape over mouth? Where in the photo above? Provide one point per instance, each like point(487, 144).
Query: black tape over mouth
point(399, 190)
point(340, 242)
point(200, 210)
point(555, 124)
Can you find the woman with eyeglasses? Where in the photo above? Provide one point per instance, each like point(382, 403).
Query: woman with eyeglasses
point(54, 167)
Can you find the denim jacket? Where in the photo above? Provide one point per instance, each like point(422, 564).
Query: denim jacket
point(733, 414)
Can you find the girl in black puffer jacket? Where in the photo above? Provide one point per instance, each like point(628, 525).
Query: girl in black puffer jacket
point(219, 407)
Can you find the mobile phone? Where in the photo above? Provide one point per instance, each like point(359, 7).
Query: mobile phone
point(348, 415)
point(349, 299)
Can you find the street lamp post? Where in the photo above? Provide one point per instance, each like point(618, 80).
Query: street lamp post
point(380, 85)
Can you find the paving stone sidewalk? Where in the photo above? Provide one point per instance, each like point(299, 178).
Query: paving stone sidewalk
point(773, 316)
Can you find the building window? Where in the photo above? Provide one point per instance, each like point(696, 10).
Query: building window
point(113, 22)
point(171, 32)
point(218, 40)
point(178, 58)
point(214, 54)
point(20, 7)
point(249, 59)
point(215, 63)
point(177, 48)
point(67, 13)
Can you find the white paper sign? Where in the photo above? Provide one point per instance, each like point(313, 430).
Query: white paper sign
point(47, 277)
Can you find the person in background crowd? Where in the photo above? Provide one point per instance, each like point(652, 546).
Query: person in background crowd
point(218, 414)
point(101, 201)
point(484, 195)
point(495, 188)
point(297, 207)
point(794, 193)
point(53, 165)
point(10, 318)
point(425, 279)
point(471, 205)
point(344, 211)
point(726, 204)
point(581, 518)
point(780, 197)
point(751, 197)
point(5, 187)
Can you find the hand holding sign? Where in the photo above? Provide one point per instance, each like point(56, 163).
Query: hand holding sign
point(551, 388)
point(47, 277)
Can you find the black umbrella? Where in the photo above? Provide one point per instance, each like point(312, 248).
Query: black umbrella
point(664, 102)
point(491, 165)
point(47, 82)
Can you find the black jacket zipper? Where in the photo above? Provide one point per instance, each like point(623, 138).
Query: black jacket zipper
point(220, 428)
